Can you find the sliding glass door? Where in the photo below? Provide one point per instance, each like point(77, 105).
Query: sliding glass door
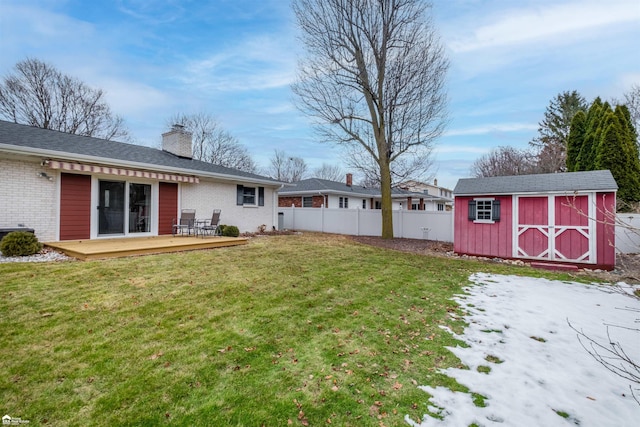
point(111, 207)
point(139, 208)
point(123, 208)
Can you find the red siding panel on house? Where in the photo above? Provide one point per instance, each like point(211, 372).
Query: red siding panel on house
point(75, 206)
point(168, 206)
point(482, 239)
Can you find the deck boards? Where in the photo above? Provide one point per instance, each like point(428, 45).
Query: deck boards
point(121, 247)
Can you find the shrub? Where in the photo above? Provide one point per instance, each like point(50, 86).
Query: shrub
point(230, 231)
point(20, 243)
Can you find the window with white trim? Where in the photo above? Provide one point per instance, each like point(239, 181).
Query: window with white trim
point(440, 207)
point(364, 204)
point(343, 202)
point(484, 210)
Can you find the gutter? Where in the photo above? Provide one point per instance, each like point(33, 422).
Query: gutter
point(124, 163)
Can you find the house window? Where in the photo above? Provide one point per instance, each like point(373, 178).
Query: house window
point(364, 204)
point(484, 210)
point(440, 207)
point(249, 196)
point(307, 202)
point(415, 206)
point(378, 204)
point(343, 202)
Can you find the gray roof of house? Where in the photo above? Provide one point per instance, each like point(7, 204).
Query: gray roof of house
point(49, 143)
point(313, 186)
point(552, 182)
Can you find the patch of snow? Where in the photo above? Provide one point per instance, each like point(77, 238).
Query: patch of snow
point(545, 371)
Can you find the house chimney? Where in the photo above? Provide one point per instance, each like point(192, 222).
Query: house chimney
point(349, 180)
point(178, 142)
point(435, 182)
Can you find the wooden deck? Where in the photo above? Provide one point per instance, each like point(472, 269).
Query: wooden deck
point(121, 247)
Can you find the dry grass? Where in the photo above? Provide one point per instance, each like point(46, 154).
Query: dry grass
point(298, 330)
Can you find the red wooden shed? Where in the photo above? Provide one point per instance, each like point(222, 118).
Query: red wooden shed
point(558, 218)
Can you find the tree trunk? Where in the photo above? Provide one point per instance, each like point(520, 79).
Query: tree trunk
point(385, 188)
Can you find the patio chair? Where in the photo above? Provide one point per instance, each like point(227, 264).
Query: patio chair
point(186, 223)
point(210, 227)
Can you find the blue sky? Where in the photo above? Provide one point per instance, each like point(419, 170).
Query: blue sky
point(235, 59)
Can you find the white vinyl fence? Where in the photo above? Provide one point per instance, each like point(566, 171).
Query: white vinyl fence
point(628, 233)
point(368, 222)
point(417, 224)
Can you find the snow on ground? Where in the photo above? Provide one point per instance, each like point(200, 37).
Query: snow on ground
point(545, 369)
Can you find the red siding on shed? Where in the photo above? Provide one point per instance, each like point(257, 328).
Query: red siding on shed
point(75, 207)
point(570, 212)
point(168, 209)
point(482, 239)
point(605, 230)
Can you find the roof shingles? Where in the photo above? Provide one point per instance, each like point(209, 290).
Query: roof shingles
point(553, 182)
point(103, 151)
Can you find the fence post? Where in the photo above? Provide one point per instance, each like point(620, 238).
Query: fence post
point(293, 216)
point(358, 222)
point(322, 217)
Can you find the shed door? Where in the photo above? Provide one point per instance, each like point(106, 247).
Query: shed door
point(556, 228)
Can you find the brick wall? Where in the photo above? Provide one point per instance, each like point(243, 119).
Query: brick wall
point(287, 201)
point(26, 198)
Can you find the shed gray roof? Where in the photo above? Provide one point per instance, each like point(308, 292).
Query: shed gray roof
point(313, 186)
point(49, 143)
point(552, 182)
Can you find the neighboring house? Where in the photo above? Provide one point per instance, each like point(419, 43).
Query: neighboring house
point(445, 195)
point(71, 187)
point(561, 217)
point(316, 193)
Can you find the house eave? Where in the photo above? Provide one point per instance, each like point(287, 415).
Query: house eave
point(29, 151)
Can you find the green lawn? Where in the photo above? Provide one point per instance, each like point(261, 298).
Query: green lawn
point(289, 330)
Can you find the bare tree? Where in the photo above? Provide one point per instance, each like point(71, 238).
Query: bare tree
point(632, 101)
point(37, 94)
point(374, 78)
point(504, 161)
point(330, 172)
point(212, 143)
point(286, 168)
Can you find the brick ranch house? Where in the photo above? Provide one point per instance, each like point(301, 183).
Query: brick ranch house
point(71, 187)
point(316, 193)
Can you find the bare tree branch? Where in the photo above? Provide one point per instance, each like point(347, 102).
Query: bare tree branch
point(212, 143)
point(37, 94)
point(374, 80)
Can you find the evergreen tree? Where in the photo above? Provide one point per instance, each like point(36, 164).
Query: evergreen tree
point(586, 158)
point(553, 132)
point(615, 153)
point(575, 139)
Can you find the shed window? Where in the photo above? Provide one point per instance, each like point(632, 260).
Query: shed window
point(484, 210)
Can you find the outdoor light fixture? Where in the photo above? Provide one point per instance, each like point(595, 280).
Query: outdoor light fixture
point(44, 175)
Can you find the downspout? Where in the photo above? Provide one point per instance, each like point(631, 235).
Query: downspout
point(275, 205)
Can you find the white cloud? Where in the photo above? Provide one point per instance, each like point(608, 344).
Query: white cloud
point(546, 23)
point(256, 63)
